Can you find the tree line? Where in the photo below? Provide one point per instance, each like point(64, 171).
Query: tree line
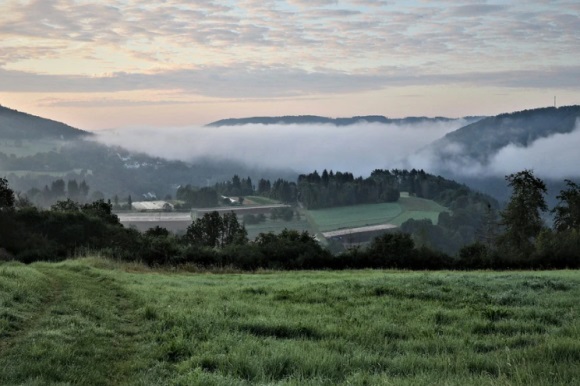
point(342, 189)
point(517, 238)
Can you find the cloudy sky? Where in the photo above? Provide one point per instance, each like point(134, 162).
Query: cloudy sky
point(128, 63)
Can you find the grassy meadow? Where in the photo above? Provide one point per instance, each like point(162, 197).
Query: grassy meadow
point(373, 214)
point(97, 322)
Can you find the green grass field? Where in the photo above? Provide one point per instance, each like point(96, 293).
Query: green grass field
point(262, 200)
point(373, 214)
point(97, 322)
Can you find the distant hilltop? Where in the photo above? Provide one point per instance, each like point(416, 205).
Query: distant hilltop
point(21, 126)
point(482, 139)
point(314, 119)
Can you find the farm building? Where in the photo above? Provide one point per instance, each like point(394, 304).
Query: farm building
point(157, 206)
point(231, 200)
point(239, 210)
point(357, 236)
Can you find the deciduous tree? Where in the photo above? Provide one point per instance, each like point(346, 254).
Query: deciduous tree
point(522, 217)
point(567, 212)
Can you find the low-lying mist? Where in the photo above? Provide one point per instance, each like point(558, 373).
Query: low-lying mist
point(556, 157)
point(359, 148)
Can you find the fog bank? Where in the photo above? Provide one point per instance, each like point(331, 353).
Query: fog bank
point(359, 148)
point(555, 157)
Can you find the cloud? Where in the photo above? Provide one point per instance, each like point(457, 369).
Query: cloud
point(473, 10)
point(358, 148)
point(555, 157)
point(248, 81)
point(379, 29)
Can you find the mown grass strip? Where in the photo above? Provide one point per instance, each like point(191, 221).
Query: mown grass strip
point(88, 334)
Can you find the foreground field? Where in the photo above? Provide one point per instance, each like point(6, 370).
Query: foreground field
point(93, 321)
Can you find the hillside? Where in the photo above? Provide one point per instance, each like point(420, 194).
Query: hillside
point(16, 125)
point(482, 139)
point(36, 151)
point(99, 322)
point(314, 119)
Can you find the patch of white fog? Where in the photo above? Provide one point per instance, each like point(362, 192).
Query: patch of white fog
point(555, 157)
point(358, 148)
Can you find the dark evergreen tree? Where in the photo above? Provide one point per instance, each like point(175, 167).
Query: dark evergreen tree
point(72, 190)
point(567, 212)
point(6, 195)
point(522, 217)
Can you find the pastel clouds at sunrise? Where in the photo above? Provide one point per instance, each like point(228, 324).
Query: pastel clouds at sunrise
point(120, 63)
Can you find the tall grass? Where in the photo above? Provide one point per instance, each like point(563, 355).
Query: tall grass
point(367, 327)
point(120, 324)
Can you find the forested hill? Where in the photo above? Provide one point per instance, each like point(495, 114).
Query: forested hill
point(484, 138)
point(21, 126)
point(314, 119)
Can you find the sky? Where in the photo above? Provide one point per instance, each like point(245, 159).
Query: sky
point(170, 63)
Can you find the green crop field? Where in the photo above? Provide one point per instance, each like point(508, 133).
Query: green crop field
point(98, 322)
point(261, 200)
point(373, 214)
point(354, 216)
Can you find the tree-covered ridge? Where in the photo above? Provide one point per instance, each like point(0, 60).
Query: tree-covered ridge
point(314, 119)
point(17, 125)
point(483, 138)
point(332, 189)
point(519, 241)
point(341, 189)
point(116, 171)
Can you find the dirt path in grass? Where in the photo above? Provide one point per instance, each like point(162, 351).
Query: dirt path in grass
point(87, 332)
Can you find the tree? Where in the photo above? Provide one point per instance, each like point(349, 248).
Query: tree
point(83, 190)
point(487, 232)
point(6, 195)
point(73, 190)
point(67, 205)
point(215, 231)
point(567, 212)
point(522, 216)
point(57, 189)
point(232, 231)
point(391, 249)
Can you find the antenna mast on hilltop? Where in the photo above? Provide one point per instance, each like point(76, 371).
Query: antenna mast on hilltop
point(554, 101)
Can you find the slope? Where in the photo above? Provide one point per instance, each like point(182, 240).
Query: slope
point(481, 140)
point(16, 125)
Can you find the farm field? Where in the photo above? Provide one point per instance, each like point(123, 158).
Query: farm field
point(373, 214)
point(314, 221)
point(96, 322)
point(259, 200)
